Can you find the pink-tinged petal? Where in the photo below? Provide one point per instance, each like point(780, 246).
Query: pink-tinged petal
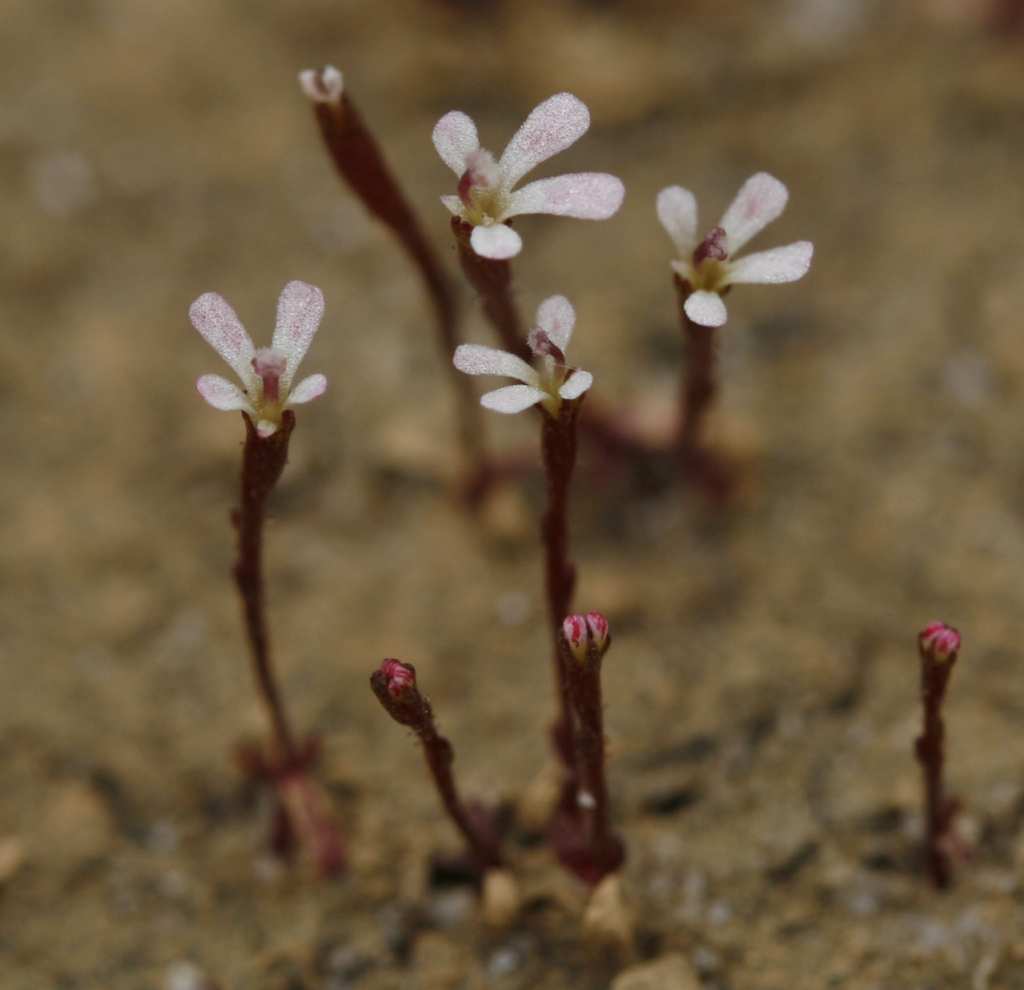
point(216, 321)
point(476, 359)
point(322, 87)
point(583, 195)
point(454, 204)
point(577, 384)
point(761, 200)
point(455, 137)
point(307, 390)
point(222, 394)
point(706, 308)
point(677, 211)
point(554, 125)
point(265, 428)
point(300, 309)
point(496, 242)
point(556, 317)
point(512, 398)
point(772, 267)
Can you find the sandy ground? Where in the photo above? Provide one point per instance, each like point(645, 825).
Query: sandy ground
point(762, 686)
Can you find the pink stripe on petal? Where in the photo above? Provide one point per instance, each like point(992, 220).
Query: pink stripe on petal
point(222, 394)
point(307, 390)
point(577, 384)
point(455, 137)
point(551, 127)
point(300, 309)
point(677, 211)
point(477, 359)
point(217, 322)
point(761, 200)
point(496, 242)
point(772, 267)
point(706, 309)
point(512, 398)
point(583, 195)
point(556, 317)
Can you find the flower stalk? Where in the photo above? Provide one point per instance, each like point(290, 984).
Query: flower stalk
point(580, 829)
point(938, 646)
point(360, 162)
point(394, 684)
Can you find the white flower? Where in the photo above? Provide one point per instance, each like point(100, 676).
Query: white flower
point(322, 87)
point(267, 373)
point(549, 384)
point(486, 198)
point(708, 265)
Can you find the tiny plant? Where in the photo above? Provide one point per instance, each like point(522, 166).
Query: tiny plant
point(938, 646)
point(705, 272)
point(394, 684)
point(266, 399)
point(487, 201)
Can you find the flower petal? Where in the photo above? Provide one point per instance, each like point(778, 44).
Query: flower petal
point(496, 242)
point(551, 127)
point(222, 394)
point(216, 321)
point(300, 309)
point(556, 317)
point(577, 384)
point(706, 308)
point(756, 205)
point(583, 195)
point(512, 398)
point(307, 390)
point(265, 428)
point(777, 265)
point(455, 137)
point(476, 359)
point(677, 211)
point(454, 205)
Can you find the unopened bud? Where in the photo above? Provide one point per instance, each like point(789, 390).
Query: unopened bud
point(598, 626)
point(574, 629)
point(322, 86)
point(941, 642)
point(400, 676)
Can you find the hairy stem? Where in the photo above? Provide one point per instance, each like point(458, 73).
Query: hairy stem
point(493, 281)
point(263, 460)
point(558, 451)
point(402, 700)
point(361, 164)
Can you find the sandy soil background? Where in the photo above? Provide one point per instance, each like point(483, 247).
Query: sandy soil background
point(762, 686)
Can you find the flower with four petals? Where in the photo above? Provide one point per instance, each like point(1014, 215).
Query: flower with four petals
point(486, 198)
point(267, 373)
point(550, 383)
point(708, 265)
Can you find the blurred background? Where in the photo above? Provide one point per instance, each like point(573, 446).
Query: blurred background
point(762, 686)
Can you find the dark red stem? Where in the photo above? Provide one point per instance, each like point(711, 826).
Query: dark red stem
point(408, 707)
point(263, 460)
point(599, 851)
point(361, 164)
point(493, 281)
point(558, 451)
point(696, 459)
point(930, 749)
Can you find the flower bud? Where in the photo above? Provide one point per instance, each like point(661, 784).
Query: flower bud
point(597, 624)
point(574, 629)
point(322, 87)
point(940, 641)
point(400, 676)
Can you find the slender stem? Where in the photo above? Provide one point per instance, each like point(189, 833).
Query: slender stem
point(930, 750)
point(493, 281)
point(263, 460)
point(700, 390)
point(360, 161)
point(558, 451)
point(395, 687)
